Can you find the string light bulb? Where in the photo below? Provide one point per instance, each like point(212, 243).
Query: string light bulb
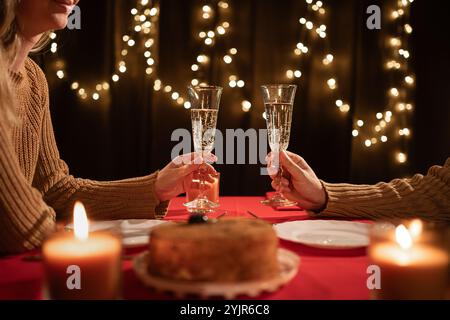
point(53, 47)
point(331, 83)
point(227, 59)
point(395, 42)
point(153, 11)
point(202, 58)
point(409, 80)
point(408, 28)
point(60, 74)
point(290, 74)
point(175, 95)
point(401, 157)
point(394, 92)
point(246, 105)
point(328, 59)
point(344, 108)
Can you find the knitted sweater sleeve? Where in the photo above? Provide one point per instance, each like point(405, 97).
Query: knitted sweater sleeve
point(129, 198)
point(426, 197)
point(25, 219)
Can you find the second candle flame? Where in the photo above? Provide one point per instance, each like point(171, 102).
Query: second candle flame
point(415, 228)
point(403, 237)
point(80, 222)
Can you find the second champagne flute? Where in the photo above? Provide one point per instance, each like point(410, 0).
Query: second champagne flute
point(278, 103)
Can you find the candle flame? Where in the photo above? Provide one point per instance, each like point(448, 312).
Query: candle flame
point(403, 237)
point(80, 222)
point(415, 228)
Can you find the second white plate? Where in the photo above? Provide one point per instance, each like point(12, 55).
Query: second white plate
point(326, 234)
point(134, 232)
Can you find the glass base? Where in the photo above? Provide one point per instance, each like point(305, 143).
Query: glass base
point(201, 206)
point(278, 201)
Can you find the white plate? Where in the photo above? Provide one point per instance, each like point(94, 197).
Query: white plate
point(328, 234)
point(134, 232)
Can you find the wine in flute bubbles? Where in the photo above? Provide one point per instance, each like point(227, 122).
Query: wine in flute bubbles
point(204, 129)
point(278, 118)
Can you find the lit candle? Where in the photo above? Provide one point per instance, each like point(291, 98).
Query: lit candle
point(410, 270)
point(80, 265)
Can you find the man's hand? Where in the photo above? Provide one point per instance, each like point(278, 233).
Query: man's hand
point(299, 182)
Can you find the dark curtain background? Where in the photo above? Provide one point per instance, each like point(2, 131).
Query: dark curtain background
point(129, 133)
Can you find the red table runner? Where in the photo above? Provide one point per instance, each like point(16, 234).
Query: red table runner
point(323, 274)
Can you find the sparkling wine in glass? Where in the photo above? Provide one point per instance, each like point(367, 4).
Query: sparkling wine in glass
point(278, 103)
point(203, 129)
point(205, 102)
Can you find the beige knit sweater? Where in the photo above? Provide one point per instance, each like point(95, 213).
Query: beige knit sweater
point(426, 197)
point(35, 182)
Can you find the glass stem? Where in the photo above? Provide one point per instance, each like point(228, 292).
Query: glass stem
point(201, 194)
point(279, 177)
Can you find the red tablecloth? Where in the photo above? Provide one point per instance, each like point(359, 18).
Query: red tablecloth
point(323, 274)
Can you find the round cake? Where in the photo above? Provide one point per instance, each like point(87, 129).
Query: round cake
point(227, 250)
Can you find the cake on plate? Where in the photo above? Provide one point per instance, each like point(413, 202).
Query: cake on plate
point(226, 250)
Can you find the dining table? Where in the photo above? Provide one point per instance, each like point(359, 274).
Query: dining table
point(325, 274)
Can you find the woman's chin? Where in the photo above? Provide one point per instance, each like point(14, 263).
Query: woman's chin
point(59, 21)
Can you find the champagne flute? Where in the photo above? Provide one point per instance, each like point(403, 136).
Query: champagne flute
point(278, 102)
point(205, 102)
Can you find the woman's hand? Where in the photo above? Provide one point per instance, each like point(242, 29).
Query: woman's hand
point(173, 178)
point(299, 182)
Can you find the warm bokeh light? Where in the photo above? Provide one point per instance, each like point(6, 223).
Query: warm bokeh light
point(142, 35)
point(401, 157)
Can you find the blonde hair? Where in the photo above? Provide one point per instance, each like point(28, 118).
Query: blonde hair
point(42, 43)
point(9, 42)
point(8, 46)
